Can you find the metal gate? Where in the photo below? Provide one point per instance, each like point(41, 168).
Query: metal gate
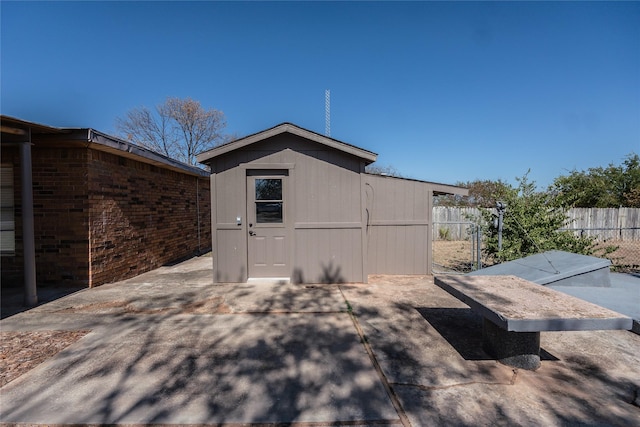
point(457, 247)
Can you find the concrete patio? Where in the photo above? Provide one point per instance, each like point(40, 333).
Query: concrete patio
point(170, 347)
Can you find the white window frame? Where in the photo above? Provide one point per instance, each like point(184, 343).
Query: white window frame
point(7, 211)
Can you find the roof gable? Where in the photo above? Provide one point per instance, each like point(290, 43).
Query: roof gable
point(367, 156)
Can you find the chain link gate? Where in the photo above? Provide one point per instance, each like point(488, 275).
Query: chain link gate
point(457, 247)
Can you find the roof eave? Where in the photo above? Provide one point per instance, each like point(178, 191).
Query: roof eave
point(109, 143)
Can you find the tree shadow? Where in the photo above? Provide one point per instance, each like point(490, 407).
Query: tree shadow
point(294, 356)
point(273, 364)
point(329, 275)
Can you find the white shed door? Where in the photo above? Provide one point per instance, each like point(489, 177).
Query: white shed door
point(268, 242)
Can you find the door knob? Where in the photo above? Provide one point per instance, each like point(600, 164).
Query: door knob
point(252, 233)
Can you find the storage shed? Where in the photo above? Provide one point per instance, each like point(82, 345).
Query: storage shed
point(292, 204)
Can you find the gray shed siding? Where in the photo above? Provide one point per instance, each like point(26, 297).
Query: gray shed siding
point(324, 209)
point(398, 225)
point(338, 223)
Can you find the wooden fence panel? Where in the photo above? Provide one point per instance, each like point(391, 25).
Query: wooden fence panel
point(605, 223)
point(453, 223)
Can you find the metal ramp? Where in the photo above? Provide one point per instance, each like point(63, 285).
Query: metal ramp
point(556, 268)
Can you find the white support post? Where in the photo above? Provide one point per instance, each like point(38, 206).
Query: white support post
point(28, 238)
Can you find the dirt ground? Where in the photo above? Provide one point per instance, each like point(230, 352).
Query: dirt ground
point(22, 351)
point(456, 255)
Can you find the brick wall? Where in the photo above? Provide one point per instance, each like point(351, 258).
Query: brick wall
point(99, 217)
point(60, 201)
point(142, 216)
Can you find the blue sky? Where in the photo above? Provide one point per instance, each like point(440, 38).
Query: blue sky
point(442, 91)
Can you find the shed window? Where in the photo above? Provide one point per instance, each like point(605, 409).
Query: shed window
point(7, 216)
point(269, 200)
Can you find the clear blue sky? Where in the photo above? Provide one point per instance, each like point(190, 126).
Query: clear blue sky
point(442, 91)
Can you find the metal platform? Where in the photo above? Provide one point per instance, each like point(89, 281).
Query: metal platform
point(555, 267)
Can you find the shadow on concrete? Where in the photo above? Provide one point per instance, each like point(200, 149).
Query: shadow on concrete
point(462, 328)
point(12, 299)
point(166, 363)
point(172, 351)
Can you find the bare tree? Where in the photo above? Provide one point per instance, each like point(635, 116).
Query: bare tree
point(386, 170)
point(178, 128)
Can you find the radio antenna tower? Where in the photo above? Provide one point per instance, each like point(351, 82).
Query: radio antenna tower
point(327, 112)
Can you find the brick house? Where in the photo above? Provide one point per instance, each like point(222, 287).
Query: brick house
point(102, 209)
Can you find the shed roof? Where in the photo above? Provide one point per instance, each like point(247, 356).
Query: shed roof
point(439, 189)
point(368, 156)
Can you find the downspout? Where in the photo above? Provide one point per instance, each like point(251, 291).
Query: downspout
point(28, 235)
point(89, 202)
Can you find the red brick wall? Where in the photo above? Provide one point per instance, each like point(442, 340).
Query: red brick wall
point(60, 202)
point(142, 217)
point(100, 218)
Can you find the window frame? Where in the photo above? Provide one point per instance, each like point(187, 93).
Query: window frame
point(7, 211)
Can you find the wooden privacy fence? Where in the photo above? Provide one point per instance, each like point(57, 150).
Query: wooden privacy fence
point(453, 223)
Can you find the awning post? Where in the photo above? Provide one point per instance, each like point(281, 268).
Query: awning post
point(28, 238)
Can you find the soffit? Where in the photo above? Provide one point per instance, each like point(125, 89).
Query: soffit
point(17, 130)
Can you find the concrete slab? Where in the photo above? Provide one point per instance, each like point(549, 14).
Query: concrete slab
point(557, 267)
point(518, 305)
point(582, 276)
point(173, 347)
point(202, 369)
point(422, 335)
point(441, 375)
point(170, 347)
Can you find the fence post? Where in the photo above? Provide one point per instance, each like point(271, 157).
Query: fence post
point(501, 207)
point(473, 245)
point(479, 246)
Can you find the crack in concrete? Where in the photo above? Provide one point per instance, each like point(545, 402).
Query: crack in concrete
point(404, 419)
point(511, 382)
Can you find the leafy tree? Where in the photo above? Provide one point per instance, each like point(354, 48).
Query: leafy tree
point(179, 128)
point(482, 193)
point(613, 186)
point(532, 224)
